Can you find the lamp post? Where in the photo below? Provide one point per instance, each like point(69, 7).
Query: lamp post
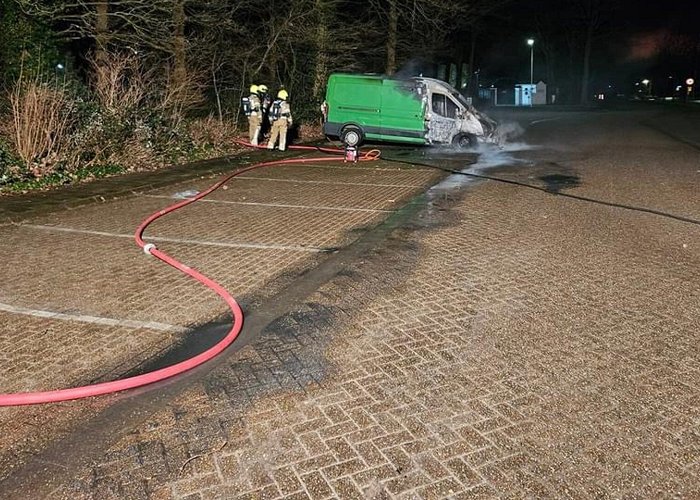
point(531, 43)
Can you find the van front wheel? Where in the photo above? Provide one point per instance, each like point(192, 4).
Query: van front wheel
point(465, 141)
point(351, 135)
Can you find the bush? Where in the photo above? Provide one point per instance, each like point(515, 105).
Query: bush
point(127, 119)
point(212, 137)
point(10, 164)
point(40, 125)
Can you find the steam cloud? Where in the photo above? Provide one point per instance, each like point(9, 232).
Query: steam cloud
point(508, 131)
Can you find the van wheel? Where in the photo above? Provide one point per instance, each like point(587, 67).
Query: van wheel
point(465, 141)
point(351, 135)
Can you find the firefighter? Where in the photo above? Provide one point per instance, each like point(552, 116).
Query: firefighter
point(280, 116)
point(252, 109)
point(265, 101)
point(264, 98)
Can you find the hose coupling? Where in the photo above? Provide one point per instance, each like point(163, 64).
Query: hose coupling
point(148, 248)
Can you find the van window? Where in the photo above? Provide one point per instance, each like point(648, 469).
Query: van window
point(444, 106)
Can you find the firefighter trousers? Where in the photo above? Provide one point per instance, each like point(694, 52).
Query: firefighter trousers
point(254, 124)
point(279, 129)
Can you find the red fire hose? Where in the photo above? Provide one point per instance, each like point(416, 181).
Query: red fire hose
point(27, 398)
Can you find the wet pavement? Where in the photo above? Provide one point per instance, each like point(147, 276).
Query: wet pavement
point(476, 339)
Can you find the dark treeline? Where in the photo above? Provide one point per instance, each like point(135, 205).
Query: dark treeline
point(95, 86)
point(98, 86)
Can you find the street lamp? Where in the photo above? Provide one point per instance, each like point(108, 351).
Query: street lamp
point(60, 68)
point(531, 43)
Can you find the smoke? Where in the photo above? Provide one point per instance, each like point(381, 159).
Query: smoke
point(414, 67)
point(489, 156)
point(508, 131)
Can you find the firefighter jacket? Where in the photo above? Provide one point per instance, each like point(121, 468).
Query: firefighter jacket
point(280, 110)
point(255, 108)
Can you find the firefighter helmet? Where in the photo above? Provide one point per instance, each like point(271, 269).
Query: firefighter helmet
point(282, 94)
point(262, 88)
point(254, 89)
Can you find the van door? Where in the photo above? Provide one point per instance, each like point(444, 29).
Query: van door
point(402, 112)
point(443, 125)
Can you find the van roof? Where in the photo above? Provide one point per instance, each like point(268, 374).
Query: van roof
point(377, 76)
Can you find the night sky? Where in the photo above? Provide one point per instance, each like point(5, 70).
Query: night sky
point(638, 39)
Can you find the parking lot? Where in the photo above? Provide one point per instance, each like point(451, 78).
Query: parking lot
point(488, 339)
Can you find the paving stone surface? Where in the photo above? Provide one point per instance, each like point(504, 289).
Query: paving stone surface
point(505, 342)
point(640, 167)
point(113, 278)
point(523, 368)
point(83, 265)
point(329, 186)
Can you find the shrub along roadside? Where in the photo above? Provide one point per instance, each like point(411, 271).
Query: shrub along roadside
point(55, 133)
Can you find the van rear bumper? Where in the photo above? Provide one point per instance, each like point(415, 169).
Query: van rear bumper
point(332, 129)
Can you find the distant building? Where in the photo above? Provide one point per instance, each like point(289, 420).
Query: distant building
point(505, 93)
point(527, 94)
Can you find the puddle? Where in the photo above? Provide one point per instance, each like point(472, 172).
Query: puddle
point(182, 195)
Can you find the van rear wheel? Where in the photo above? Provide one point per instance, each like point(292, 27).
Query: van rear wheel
point(351, 135)
point(465, 141)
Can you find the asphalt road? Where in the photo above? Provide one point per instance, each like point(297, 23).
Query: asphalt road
point(528, 331)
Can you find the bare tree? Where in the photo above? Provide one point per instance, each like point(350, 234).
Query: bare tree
point(324, 8)
point(178, 43)
point(473, 18)
point(101, 28)
point(417, 19)
point(591, 14)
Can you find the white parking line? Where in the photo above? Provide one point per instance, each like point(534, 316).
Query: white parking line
point(246, 177)
point(281, 205)
point(222, 244)
point(543, 120)
point(95, 320)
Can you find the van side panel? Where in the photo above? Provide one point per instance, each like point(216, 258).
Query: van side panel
point(384, 109)
point(353, 99)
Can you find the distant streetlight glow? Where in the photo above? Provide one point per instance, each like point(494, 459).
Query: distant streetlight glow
point(645, 81)
point(531, 43)
point(60, 66)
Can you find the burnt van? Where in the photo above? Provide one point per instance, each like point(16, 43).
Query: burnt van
point(416, 110)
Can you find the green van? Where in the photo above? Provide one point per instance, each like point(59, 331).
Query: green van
point(416, 110)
